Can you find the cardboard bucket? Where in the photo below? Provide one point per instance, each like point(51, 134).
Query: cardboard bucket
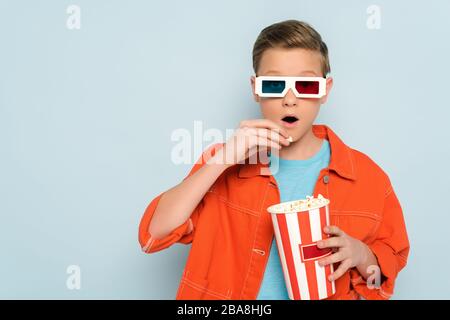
point(298, 225)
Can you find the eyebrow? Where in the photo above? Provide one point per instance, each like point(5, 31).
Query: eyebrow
point(301, 73)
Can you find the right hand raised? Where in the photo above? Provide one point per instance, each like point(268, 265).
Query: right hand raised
point(251, 137)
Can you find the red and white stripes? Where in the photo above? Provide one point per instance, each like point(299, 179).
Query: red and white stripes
point(296, 235)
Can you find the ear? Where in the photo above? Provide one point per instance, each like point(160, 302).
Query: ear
point(252, 83)
point(329, 85)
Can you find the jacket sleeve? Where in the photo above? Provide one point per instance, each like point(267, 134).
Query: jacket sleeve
point(183, 233)
point(391, 248)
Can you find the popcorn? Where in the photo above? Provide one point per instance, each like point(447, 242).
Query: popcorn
point(290, 139)
point(299, 205)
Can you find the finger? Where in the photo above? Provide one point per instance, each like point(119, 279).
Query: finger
point(276, 135)
point(333, 242)
point(269, 134)
point(337, 257)
point(333, 230)
point(266, 143)
point(253, 136)
point(264, 123)
point(251, 140)
point(256, 150)
point(343, 267)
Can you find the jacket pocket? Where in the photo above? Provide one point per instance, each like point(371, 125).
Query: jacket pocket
point(357, 224)
point(193, 287)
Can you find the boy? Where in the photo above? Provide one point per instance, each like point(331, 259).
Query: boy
point(220, 207)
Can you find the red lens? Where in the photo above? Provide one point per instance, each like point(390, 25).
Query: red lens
point(307, 87)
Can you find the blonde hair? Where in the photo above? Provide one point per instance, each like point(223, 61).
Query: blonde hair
point(290, 34)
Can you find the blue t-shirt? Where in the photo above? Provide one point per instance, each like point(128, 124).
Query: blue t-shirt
point(296, 179)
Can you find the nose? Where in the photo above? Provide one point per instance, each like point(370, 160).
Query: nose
point(290, 100)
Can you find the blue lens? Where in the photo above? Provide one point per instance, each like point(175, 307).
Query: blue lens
point(273, 86)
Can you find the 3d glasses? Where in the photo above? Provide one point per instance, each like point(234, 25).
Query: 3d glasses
point(303, 87)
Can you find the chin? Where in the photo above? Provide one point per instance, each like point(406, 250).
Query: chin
point(298, 135)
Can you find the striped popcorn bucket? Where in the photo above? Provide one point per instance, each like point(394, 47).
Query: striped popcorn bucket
point(298, 225)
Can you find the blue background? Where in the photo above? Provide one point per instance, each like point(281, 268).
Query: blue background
point(86, 118)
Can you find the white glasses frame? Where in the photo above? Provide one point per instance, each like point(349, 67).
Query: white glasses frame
point(290, 84)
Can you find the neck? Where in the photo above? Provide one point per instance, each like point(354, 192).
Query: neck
point(304, 148)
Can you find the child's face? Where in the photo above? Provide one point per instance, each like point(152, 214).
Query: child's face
point(291, 62)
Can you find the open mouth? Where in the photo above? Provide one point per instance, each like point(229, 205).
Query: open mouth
point(290, 119)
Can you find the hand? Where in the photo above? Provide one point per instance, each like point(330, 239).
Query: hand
point(251, 137)
point(349, 251)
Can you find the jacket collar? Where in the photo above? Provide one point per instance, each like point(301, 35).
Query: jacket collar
point(341, 159)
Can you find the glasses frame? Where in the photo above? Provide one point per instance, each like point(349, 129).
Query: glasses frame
point(290, 84)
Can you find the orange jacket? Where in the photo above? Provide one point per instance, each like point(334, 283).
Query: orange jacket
point(231, 231)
